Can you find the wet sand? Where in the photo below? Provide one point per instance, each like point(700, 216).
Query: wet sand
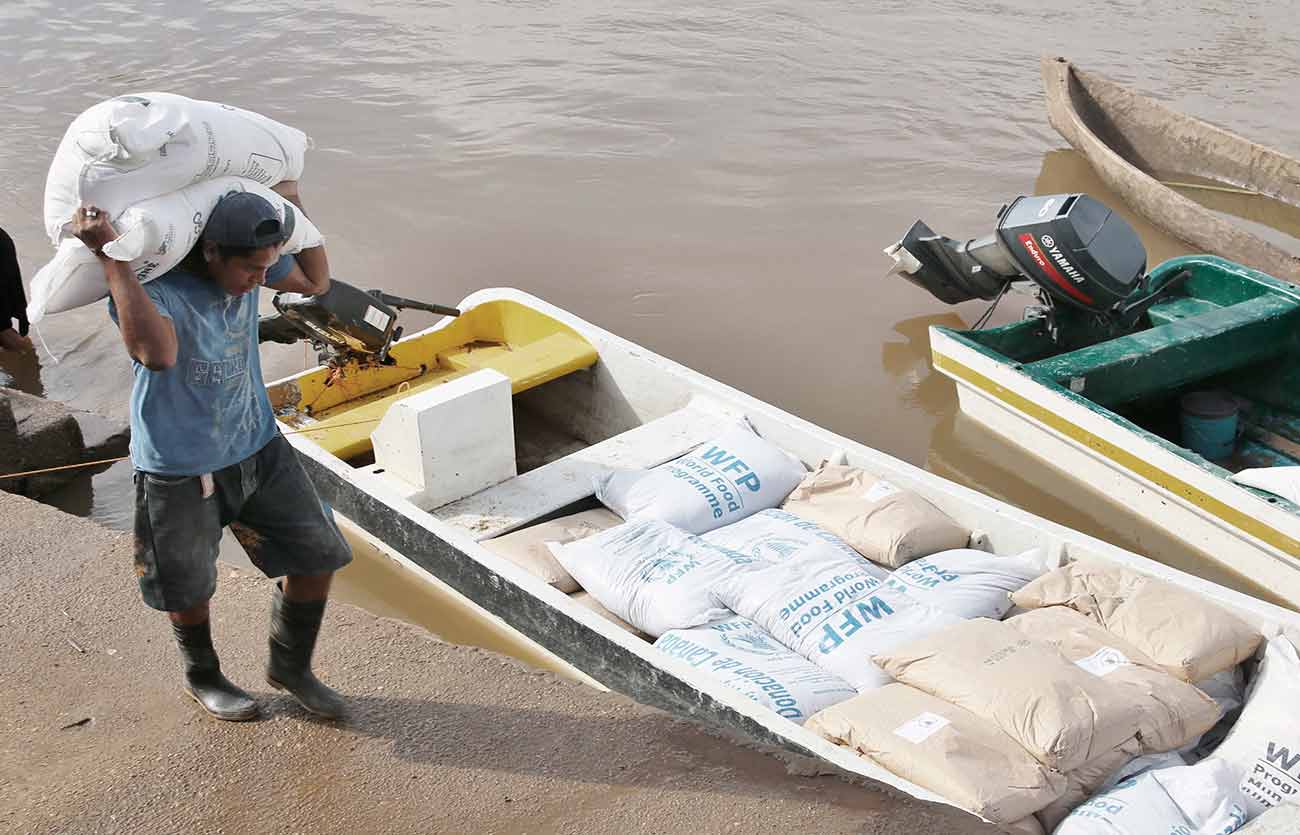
point(95, 735)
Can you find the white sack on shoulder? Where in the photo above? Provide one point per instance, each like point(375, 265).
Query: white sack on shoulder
point(132, 148)
point(832, 610)
point(1197, 799)
point(734, 476)
point(1263, 747)
point(154, 236)
point(748, 660)
point(969, 583)
point(651, 574)
point(776, 536)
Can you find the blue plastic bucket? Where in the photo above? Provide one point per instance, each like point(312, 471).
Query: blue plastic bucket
point(1209, 421)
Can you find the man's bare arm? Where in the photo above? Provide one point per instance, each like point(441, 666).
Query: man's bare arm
point(150, 337)
point(311, 276)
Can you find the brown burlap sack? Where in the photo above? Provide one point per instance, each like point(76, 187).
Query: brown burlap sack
point(1188, 635)
point(943, 748)
point(884, 523)
point(1174, 713)
point(1063, 716)
point(527, 549)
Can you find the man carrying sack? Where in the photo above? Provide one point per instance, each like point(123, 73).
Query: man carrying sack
point(206, 449)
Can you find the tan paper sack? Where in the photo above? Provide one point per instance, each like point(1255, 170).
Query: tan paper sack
point(884, 523)
point(1174, 713)
point(943, 748)
point(1063, 716)
point(527, 548)
point(1185, 633)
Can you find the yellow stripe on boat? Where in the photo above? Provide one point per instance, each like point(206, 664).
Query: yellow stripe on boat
point(529, 347)
point(1230, 515)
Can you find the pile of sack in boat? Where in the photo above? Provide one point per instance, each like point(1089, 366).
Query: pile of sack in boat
point(843, 602)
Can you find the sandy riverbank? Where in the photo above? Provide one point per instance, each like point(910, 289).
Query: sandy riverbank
point(96, 737)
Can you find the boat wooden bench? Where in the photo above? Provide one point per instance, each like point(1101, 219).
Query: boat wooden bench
point(1188, 347)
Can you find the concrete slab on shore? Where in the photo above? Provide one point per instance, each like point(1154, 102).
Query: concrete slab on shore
point(95, 735)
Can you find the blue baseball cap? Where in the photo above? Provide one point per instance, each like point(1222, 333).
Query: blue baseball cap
point(242, 218)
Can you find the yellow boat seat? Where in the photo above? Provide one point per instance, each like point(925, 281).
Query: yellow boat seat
point(526, 346)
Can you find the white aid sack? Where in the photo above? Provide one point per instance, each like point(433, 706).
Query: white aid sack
point(969, 583)
point(529, 548)
point(651, 574)
point(832, 610)
point(1199, 799)
point(154, 236)
point(885, 523)
point(1263, 747)
point(748, 660)
point(776, 536)
point(132, 148)
point(1280, 481)
point(721, 482)
point(943, 748)
point(586, 601)
point(1063, 716)
point(1188, 635)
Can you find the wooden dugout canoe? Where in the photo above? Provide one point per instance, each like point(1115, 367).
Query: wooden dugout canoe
point(1132, 141)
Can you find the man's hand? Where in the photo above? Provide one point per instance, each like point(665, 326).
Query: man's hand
point(289, 191)
point(91, 226)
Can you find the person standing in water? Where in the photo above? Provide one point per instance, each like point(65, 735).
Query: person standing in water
point(13, 301)
point(207, 451)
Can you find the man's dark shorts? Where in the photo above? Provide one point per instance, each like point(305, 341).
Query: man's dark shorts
point(271, 508)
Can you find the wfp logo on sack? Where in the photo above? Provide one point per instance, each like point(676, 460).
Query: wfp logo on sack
point(751, 641)
point(729, 463)
point(657, 569)
point(776, 548)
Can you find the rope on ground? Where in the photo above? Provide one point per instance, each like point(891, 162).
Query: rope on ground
point(103, 461)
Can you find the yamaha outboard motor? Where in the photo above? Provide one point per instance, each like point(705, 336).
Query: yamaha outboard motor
point(1073, 248)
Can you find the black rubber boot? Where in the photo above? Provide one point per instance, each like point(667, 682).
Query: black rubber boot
point(203, 679)
point(294, 627)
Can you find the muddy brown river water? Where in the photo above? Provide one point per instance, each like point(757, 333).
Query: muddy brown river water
point(714, 181)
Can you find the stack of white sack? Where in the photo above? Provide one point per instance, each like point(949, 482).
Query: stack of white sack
point(1199, 799)
point(1063, 716)
point(885, 523)
point(1189, 637)
point(733, 476)
point(832, 609)
point(943, 748)
point(156, 163)
point(969, 583)
point(1263, 748)
point(652, 575)
point(530, 548)
point(774, 536)
point(748, 660)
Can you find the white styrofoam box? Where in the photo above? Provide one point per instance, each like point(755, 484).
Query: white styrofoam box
point(449, 441)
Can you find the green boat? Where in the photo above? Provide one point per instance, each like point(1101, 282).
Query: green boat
point(1176, 393)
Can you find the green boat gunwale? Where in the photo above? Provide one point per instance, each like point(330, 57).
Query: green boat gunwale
point(1018, 346)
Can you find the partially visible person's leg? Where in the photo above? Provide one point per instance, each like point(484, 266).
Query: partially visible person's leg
point(287, 532)
point(177, 536)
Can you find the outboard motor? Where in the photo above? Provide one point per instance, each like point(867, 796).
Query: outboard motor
point(1073, 248)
